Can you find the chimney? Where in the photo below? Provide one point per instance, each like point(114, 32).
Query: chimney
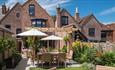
point(77, 17)
point(58, 17)
point(4, 9)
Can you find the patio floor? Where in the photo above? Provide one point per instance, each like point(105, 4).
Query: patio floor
point(25, 64)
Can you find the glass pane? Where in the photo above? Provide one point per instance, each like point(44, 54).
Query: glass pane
point(32, 10)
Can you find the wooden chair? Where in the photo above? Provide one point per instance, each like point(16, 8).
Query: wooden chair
point(46, 57)
point(62, 58)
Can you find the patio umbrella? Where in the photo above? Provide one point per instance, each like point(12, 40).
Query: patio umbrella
point(32, 33)
point(52, 37)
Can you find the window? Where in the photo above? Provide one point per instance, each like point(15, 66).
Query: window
point(8, 27)
point(32, 10)
point(17, 14)
point(64, 20)
point(38, 22)
point(18, 30)
point(91, 31)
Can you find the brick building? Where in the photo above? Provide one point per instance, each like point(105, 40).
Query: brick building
point(31, 14)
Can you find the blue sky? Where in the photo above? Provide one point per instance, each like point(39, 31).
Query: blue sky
point(104, 10)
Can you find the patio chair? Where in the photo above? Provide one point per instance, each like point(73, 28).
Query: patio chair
point(46, 57)
point(62, 58)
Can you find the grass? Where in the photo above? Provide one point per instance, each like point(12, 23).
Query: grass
point(68, 68)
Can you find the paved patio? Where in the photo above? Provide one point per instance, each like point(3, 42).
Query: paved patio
point(25, 64)
point(22, 64)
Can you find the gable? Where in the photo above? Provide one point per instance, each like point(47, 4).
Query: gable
point(17, 7)
point(39, 13)
point(90, 20)
point(93, 23)
point(71, 20)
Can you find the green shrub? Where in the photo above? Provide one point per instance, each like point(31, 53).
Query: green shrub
point(64, 49)
point(88, 66)
point(108, 58)
point(83, 53)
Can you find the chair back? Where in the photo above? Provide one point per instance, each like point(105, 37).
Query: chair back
point(62, 57)
point(46, 57)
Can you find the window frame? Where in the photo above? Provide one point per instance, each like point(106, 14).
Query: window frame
point(42, 22)
point(9, 26)
point(30, 10)
point(91, 32)
point(64, 20)
point(18, 14)
point(18, 32)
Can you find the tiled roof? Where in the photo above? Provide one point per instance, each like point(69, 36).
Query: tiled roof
point(1, 15)
point(111, 26)
point(85, 20)
point(5, 29)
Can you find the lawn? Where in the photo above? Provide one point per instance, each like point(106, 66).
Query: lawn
point(68, 68)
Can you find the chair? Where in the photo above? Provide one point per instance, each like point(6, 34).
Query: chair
point(62, 58)
point(46, 57)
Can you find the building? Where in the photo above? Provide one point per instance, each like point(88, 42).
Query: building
point(31, 14)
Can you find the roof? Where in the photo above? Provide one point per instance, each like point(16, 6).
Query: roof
point(111, 26)
point(86, 19)
point(76, 23)
point(9, 12)
point(5, 29)
point(1, 15)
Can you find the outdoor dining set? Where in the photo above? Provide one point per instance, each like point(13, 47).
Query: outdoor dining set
point(51, 58)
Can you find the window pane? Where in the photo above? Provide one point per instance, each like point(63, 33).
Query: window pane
point(32, 10)
point(18, 30)
point(38, 23)
point(17, 14)
point(91, 31)
point(64, 20)
point(8, 27)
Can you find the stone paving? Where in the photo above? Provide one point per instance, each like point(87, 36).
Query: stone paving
point(25, 64)
point(22, 65)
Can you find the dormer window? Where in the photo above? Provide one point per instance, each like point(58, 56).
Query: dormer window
point(32, 10)
point(64, 20)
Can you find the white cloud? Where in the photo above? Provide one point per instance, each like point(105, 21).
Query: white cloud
point(108, 11)
point(108, 23)
point(49, 5)
point(11, 3)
